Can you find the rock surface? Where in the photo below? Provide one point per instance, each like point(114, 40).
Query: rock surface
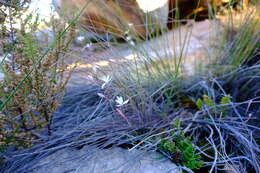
point(115, 160)
point(114, 17)
point(196, 50)
point(137, 18)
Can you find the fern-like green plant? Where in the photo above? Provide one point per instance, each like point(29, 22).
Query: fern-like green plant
point(181, 150)
point(190, 158)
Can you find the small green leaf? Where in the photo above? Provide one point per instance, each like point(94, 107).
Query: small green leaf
point(208, 101)
point(225, 100)
point(177, 124)
point(199, 104)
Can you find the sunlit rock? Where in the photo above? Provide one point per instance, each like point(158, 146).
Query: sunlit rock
point(118, 18)
point(137, 18)
point(112, 17)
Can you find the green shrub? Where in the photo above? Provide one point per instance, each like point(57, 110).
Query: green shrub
point(34, 77)
point(181, 150)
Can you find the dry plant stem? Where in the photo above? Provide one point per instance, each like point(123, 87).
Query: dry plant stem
point(197, 114)
point(149, 137)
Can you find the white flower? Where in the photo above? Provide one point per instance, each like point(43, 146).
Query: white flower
point(129, 38)
point(120, 101)
point(80, 38)
point(130, 24)
point(106, 80)
point(89, 45)
point(132, 43)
